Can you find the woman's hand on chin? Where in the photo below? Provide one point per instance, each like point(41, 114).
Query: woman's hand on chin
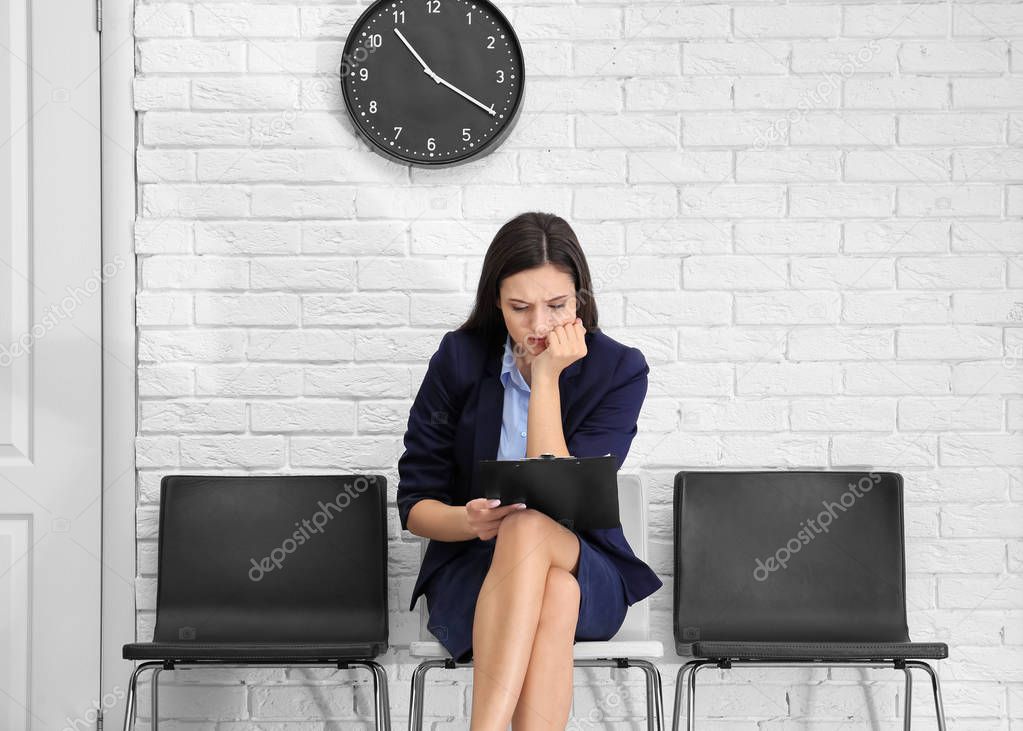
point(566, 344)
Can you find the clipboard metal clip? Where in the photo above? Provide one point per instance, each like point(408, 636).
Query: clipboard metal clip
point(547, 455)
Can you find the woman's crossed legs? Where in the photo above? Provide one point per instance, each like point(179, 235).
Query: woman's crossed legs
point(524, 627)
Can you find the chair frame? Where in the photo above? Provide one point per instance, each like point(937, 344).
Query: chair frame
point(654, 698)
point(694, 666)
point(380, 694)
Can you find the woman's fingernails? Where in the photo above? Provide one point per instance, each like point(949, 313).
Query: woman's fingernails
point(494, 502)
point(520, 506)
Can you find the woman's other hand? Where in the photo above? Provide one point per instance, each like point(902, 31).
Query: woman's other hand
point(485, 515)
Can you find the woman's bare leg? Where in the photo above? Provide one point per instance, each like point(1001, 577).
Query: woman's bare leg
point(508, 609)
point(546, 697)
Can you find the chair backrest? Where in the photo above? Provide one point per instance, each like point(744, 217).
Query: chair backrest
point(272, 559)
point(632, 510)
point(789, 556)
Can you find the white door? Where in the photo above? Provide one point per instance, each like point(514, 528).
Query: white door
point(50, 356)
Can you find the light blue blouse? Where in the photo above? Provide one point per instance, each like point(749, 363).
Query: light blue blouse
point(516, 407)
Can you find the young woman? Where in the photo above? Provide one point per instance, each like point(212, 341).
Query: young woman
point(528, 373)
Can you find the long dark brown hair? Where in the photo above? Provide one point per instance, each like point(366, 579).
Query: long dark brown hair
point(529, 240)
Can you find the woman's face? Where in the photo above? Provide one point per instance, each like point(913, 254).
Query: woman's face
point(533, 302)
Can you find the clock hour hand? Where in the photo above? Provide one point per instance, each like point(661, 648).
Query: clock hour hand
point(419, 58)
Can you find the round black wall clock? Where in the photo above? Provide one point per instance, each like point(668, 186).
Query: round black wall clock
point(432, 82)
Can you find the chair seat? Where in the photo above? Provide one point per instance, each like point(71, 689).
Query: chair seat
point(810, 651)
point(253, 651)
point(580, 651)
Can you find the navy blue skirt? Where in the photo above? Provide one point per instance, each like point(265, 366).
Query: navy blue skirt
point(452, 591)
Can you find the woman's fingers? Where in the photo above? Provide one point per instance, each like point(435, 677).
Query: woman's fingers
point(485, 520)
point(488, 529)
point(480, 504)
point(498, 513)
point(491, 505)
point(568, 333)
point(576, 332)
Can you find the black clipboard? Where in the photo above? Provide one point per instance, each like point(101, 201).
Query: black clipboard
point(578, 492)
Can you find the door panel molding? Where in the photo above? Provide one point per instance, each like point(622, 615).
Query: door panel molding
point(15, 243)
point(117, 73)
point(15, 573)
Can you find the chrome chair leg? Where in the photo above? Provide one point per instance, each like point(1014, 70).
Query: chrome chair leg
point(384, 696)
point(676, 706)
point(416, 699)
point(680, 685)
point(691, 700)
point(939, 708)
point(908, 707)
point(129, 711)
point(654, 694)
point(155, 709)
point(381, 698)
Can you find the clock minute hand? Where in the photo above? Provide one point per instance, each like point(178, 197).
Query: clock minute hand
point(484, 107)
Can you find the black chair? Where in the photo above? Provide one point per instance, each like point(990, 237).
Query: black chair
point(269, 571)
point(786, 569)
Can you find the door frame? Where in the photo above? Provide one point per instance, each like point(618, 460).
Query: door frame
point(118, 194)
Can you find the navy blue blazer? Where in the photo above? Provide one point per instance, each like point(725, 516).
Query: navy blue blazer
point(455, 420)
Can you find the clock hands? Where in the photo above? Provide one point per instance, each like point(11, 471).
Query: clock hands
point(437, 79)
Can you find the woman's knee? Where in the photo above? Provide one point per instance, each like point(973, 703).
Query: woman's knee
point(561, 599)
point(531, 534)
point(524, 525)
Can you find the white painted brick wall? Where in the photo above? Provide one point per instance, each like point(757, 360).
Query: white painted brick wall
point(818, 207)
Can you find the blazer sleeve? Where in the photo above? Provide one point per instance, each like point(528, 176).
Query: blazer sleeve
point(612, 425)
point(426, 468)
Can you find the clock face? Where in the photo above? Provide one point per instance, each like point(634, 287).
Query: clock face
point(432, 82)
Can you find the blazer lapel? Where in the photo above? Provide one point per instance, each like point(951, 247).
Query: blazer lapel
point(490, 409)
